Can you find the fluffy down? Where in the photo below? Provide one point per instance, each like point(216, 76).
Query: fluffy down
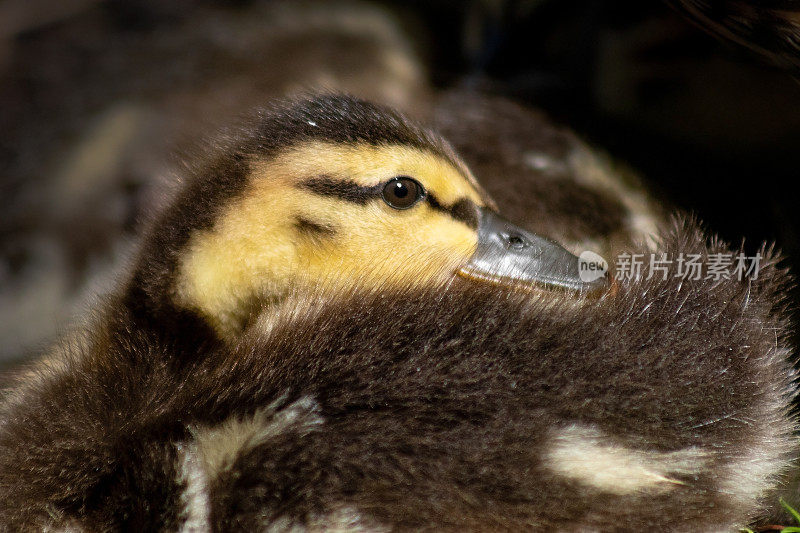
point(466, 408)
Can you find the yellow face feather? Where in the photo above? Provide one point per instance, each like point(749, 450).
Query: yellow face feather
point(280, 234)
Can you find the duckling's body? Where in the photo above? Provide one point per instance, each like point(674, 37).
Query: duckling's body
point(468, 409)
point(302, 342)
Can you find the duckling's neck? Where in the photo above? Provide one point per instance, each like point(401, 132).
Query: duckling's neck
point(184, 333)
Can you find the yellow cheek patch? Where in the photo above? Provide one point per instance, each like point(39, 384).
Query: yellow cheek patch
point(258, 250)
point(249, 251)
point(378, 245)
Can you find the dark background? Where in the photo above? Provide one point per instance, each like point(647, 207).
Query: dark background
point(713, 128)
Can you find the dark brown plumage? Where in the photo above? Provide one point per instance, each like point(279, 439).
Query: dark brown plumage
point(418, 410)
point(543, 177)
point(466, 407)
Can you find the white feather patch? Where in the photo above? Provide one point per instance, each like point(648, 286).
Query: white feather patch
point(194, 498)
point(584, 454)
point(215, 449)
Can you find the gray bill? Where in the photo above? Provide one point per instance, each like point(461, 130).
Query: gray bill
point(509, 255)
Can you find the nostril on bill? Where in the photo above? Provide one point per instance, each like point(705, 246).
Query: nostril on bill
point(516, 241)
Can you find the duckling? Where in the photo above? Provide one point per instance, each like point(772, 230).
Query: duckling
point(330, 189)
point(331, 328)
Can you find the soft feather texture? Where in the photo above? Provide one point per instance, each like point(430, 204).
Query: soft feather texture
point(441, 410)
point(544, 177)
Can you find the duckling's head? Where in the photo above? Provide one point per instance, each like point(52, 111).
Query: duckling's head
point(332, 191)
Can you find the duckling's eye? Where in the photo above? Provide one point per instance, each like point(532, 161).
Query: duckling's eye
point(402, 192)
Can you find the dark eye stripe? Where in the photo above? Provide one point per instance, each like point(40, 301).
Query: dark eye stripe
point(342, 189)
point(463, 210)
